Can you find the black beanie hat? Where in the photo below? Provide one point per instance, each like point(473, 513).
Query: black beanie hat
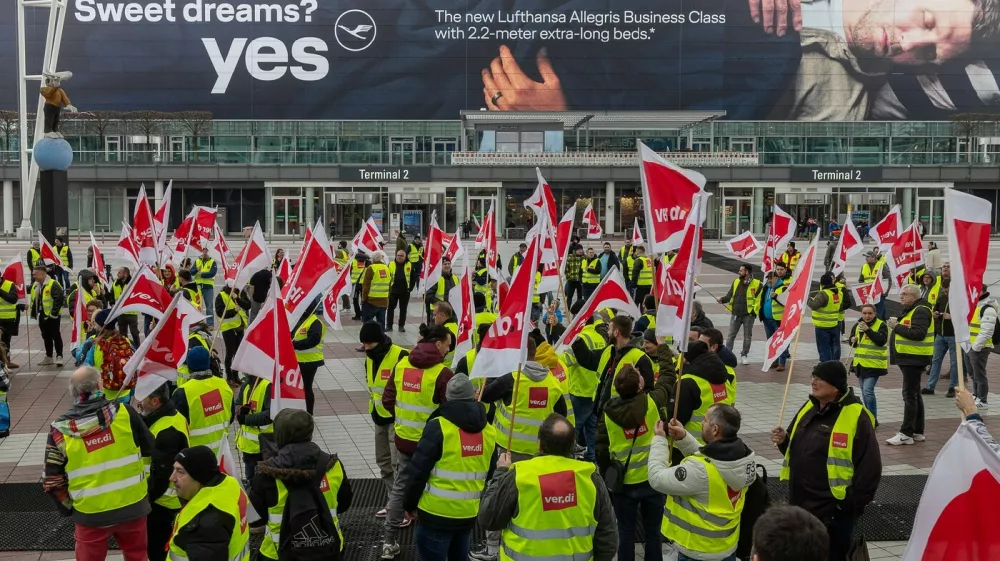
point(832, 372)
point(371, 332)
point(199, 462)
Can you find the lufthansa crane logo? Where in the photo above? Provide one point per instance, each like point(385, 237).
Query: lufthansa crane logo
point(355, 30)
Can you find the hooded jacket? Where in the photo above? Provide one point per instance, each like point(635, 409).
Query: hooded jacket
point(591, 359)
point(808, 486)
point(731, 456)
point(377, 354)
point(89, 416)
point(85, 277)
point(987, 322)
point(469, 416)
point(920, 323)
point(698, 317)
point(166, 445)
point(423, 356)
point(503, 387)
point(700, 362)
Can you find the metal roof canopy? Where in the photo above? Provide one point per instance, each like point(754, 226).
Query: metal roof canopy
point(594, 120)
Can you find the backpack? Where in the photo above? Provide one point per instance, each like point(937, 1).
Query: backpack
point(756, 502)
point(307, 529)
point(117, 351)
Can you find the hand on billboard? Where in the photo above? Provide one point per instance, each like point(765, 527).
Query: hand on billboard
point(775, 14)
point(507, 88)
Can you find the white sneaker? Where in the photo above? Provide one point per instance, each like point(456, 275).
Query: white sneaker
point(744, 360)
point(48, 361)
point(899, 439)
point(59, 361)
point(390, 550)
point(980, 404)
point(917, 437)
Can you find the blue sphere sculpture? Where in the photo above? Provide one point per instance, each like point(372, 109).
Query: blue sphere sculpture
point(52, 154)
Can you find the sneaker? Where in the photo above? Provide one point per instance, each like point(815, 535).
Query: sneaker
point(59, 361)
point(356, 318)
point(899, 439)
point(13, 366)
point(917, 437)
point(48, 361)
point(389, 550)
point(781, 368)
point(951, 393)
point(482, 554)
point(980, 404)
point(401, 329)
point(744, 360)
point(382, 513)
point(926, 391)
point(407, 520)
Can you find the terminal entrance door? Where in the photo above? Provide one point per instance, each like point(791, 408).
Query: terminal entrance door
point(738, 215)
point(479, 206)
point(286, 215)
point(931, 212)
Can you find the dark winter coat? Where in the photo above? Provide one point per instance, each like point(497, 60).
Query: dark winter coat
point(166, 445)
point(700, 362)
point(920, 323)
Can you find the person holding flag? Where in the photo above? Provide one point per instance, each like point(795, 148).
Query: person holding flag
point(308, 342)
point(203, 272)
point(641, 271)
point(870, 338)
point(10, 316)
point(231, 308)
point(772, 309)
point(46, 302)
point(790, 258)
point(875, 267)
point(61, 272)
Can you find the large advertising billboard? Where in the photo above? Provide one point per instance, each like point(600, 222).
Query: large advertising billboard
point(429, 59)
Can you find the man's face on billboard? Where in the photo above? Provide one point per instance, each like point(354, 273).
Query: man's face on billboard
point(911, 32)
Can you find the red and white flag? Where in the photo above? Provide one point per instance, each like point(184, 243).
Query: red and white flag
point(369, 239)
point(78, 329)
point(744, 246)
point(144, 230)
point(505, 346)
point(164, 349)
point(267, 352)
point(795, 306)
point(967, 221)
point(196, 228)
point(905, 255)
point(543, 204)
point(669, 193)
point(126, 248)
point(46, 253)
point(781, 231)
point(14, 272)
point(484, 229)
point(885, 231)
point(331, 302)
point(489, 233)
point(953, 520)
point(552, 271)
point(312, 276)
point(162, 216)
point(144, 294)
point(433, 252)
point(102, 274)
point(636, 233)
point(611, 293)
point(221, 246)
point(453, 248)
point(253, 257)
point(676, 297)
point(460, 299)
point(590, 220)
point(872, 292)
point(284, 269)
point(848, 246)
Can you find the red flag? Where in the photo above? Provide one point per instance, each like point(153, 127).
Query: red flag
point(164, 349)
point(341, 286)
point(504, 347)
point(311, 277)
point(221, 246)
point(143, 230)
point(888, 229)
point(848, 246)
point(284, 269)
point(433, 252)
point(183, 232)
point(905, 254)
point(204, 223)
point(126, 248)
point(872, 292)
point(952, 521)
point(669, 192)
point(461, 302)
point(253, 257)
point(795, 305)
point(14, 272)
point(744, 246)
point(594, 231)
point(78, 331)
point(673, 313)
point(144, 294)
point(484, 231)
point(967, 221)
point(452, 248)
point(47, 254)
point(611, 293)
point(503, 287)
point(369, 239)
point(102, 273)
point(636, 233)
point(552, 271)
point(781, 232)
point(267, 352)
point(543, 204)
point(162, 216)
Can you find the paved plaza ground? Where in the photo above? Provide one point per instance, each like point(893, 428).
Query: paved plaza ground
point(343, 425)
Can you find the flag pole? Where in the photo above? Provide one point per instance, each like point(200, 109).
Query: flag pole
point(677, 400)
point(513, 406)
point(960, 364)
point(788, 381)
point(218, 328)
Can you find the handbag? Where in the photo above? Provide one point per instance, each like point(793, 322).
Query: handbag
point(859, 549)
point(614, 474)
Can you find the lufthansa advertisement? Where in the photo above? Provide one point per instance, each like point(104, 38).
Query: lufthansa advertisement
point(814, 60)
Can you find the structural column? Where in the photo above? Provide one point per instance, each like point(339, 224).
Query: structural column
point(500, 211)
point(758, 211)
point(461, 205)
point(158, 193)
point(8, 206)
point(906, 205)
point(310, 210)
point(609, 208)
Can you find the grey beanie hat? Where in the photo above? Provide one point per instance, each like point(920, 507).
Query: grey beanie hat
point(460, 388)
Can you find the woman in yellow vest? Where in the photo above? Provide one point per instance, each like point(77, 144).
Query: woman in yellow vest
point(307, 338)
point(870, 339)
point(253, 413)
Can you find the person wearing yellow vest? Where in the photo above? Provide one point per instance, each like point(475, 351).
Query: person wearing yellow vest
point(624, 436)
point(47, 299)
point(911, 348)
point(626, 257)
point(826, 306)
point(870, 339)
point(95, 470)
point(743, 301)
point(190, 289)
point(772, 310)
point(415, 256)
point(66, 256)
point(982, 330)
point(307, 339)
point(34, 255)
point(550, 506)
point(517, 259)
point(358, 266)
point(641, 273)
point(662, 356)
point(583, 382)
point(381, 358)
point(648, 318)
point(203, 273)
point(287, 484)
point(930, 287)
point(413, 391)
point(253, 413)
point(447, 474)
point(591, 275)
point(621, 350)
point(834, 484)
point(573, 273)
point(873, 267)
point(109, 354)
point(702, 385)
point(707, 489)
point(482, 283)
point(231, 307)
point(442, 288)
point(713, 337)
point(170, 435)
point(213, 523)
point(790, 258)
point(10, 318)
point(483, 314)
point(205, 400)
point(375, 284)
point(128, 322)
point(400, 273)
point(89, 288)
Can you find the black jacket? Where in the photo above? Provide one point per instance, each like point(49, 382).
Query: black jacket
point(809, 486)
point(400, 281)
point(314, 336)
point(700, 362)
point(920, 323)
point(590, 360)
point(469, 416)
point(206, 536)
point(376, 355)
point(630, 413)
point(166, 445)
point(879, 338)
point(242, 303)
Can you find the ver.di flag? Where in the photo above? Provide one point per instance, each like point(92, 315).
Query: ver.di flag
point(781, 231)
point(967, 221)
point(126, 248)
point(144, 229)
point(164, 349)
point(885, 231)
point(543, 203)
point(46, 253)
point(14, 272)
point(669, 193)
point(433, 252)
point(848, 246)
point(676, 296)
point(610, 293)
point(636, 233)
point(102, 273)
point(162, 215)
point(461, 302)
point(593, 225)
point(312, 276)
point(905, 255)
point(253, 257)
point(144, 294)
point(331, 302)
point(744, 246)
point(872, 292)
point(795, 305)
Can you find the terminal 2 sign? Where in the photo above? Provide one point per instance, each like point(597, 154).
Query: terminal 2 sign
point(844, 174)
point(388, 174)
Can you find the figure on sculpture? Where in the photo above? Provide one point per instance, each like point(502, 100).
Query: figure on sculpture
point(55, 99)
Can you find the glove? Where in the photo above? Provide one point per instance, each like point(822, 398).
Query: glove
point(71, 108)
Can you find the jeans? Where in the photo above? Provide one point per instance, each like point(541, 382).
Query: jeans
point(536, 311)
point(913, 402)
point(401, 300)
point(147, 324)
point(942, 345)
point(880, 309)
point(92, 542)
point(438, 545)
point(588, 289)
point(385, 453)
point(868, 394)
point(395, 515)
point(735, 324)
point(977, 363)
point(208, 297)
point(370, 313)
point(630, 502)
point(586, 425)
point(828, 343)
point(841, 532)
point(770, 326)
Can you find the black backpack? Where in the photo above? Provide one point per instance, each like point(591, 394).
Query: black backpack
point(755, 503)
point(307, 529)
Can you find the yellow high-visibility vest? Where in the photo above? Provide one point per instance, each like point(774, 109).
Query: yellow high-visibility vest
point(176, 421)
point(414, 398)
point(314, 354)
point(253, 395)
point(867, 353)
point(459, 476)
point(376, 383)
point(227, 497)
